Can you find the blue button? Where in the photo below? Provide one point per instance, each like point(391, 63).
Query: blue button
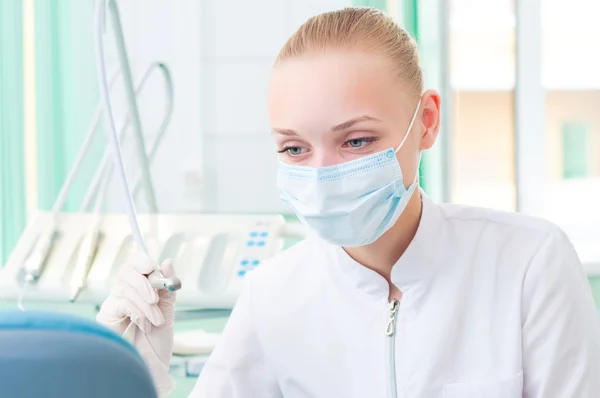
point(264, 234)
point(253, 234)
point(242, 272)
point(244, 262)
point(255, 262)
point(261, 243)
point(250, 243)
point(390, 154)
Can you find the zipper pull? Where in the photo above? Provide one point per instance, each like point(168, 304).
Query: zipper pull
point(393, 310)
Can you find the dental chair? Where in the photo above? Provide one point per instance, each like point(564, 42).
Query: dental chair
point(44, 354)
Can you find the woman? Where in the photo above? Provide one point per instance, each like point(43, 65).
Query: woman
point(395, 296)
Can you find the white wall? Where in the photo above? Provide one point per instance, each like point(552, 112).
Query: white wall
point(241, 40)
point(218, 155)
point(169, 31)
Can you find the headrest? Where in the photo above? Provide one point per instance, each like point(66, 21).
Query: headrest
point(59, 355)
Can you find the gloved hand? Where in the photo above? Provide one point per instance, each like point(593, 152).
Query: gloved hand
point(144, 316)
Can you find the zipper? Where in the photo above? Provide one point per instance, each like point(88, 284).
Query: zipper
point(390, 340)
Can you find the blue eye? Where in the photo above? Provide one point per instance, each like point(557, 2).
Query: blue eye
point(360, 142)
point(293, 150)
point(356, 143)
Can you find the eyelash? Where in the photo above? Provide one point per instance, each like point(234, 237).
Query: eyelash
point(366, 140)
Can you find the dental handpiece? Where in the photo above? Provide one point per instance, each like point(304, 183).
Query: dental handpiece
point(85, 256)
point(158, 281)
point(35, 263)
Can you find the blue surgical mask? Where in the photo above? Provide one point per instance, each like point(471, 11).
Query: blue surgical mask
point(349, 204)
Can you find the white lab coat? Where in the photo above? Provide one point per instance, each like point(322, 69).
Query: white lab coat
point(495, 305)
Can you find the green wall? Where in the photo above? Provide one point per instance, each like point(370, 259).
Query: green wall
point(66, 90)
point(12, 148)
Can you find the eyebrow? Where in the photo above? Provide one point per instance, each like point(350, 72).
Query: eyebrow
point(352, 122)
point(338, 127)
point(288, 132)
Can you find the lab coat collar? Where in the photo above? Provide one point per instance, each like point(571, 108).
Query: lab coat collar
point(418, 261)
point(414, 266)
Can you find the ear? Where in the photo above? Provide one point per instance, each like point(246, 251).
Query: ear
point(430, 118)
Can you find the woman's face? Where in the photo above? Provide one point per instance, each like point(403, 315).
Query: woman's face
point(331, 108)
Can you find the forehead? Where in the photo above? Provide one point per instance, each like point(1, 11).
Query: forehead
point(326, 88)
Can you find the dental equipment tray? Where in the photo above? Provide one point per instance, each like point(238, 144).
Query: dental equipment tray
point(212, 254)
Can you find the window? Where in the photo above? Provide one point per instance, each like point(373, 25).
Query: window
point(554, 172)
point(482, 77)
point(570, 77)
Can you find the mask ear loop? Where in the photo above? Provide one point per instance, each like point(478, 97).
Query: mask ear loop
point(417, 174)
point(410, 126)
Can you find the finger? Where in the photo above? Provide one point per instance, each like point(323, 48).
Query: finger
point(118, 312)
point(140, 284)
point(167, 268)
point(131, 311)
point(143, 264)
point(151, 311)
point(110, 314)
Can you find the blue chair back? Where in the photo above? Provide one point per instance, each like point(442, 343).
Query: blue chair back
point(44, 354)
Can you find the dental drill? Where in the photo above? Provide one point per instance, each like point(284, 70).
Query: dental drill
point(156, 278)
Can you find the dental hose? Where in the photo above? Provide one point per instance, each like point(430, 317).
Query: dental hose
point(157, 280)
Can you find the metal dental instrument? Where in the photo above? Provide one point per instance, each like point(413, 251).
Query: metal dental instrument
point(36, 261)
point(157, 280)
point(87, 250)
point(89, 244)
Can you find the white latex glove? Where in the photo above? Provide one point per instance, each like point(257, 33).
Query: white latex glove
point(145, 317)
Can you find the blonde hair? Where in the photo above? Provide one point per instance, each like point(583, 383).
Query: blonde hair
point(363, 28)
